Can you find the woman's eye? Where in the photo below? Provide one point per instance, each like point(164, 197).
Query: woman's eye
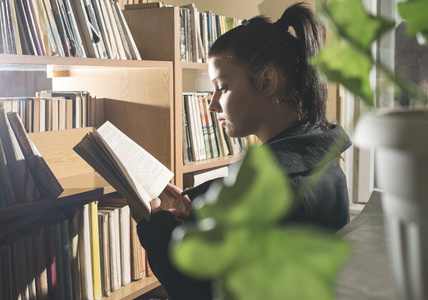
point(222, 89)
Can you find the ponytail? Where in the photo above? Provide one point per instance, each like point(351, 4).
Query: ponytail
point(310, 35)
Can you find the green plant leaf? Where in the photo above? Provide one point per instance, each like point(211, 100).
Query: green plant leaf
point(353, 23)
point(241, 199)
point(253, 257)
point(415, 14)
point(351, 68)
point(290, 261)
point(205, 251)
point(350, 62)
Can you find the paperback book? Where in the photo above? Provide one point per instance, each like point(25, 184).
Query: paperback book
point(131, 170)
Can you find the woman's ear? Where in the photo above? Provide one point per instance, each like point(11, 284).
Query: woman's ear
point(269, 80)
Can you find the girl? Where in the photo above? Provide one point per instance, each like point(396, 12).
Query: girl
point(265, 85)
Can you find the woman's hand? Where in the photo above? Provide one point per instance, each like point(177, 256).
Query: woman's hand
point(181, 206)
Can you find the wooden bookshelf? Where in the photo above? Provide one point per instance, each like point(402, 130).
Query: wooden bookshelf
point(138, 98)
point(143, 98)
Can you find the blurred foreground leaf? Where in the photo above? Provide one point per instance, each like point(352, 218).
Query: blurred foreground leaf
point(415, 13)
point(350, 62)
point(237, 239)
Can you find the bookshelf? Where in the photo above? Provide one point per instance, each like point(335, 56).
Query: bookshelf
point(143, 98)
point(138, 99)
point(157, 35)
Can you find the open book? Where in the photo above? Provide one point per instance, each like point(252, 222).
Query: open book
point(131, 170)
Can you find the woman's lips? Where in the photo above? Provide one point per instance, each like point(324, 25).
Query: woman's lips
point(222, 122)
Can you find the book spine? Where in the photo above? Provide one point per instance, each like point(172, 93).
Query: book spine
point(51, 263)
point(66, 257)
point(85, 254)
point(45, 180)
point(95, 249)
point(22, 180)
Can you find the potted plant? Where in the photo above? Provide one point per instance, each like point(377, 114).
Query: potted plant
point(399, 136)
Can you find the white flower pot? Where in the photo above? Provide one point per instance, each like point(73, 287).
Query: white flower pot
point(400, 140)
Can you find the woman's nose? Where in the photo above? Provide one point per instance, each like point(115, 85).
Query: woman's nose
point(214, 105)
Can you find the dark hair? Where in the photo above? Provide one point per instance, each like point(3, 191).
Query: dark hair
point(259, 43)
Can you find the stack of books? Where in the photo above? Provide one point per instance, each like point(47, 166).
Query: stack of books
point(77, 28)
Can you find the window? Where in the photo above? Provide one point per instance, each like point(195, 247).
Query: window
point(405, 56)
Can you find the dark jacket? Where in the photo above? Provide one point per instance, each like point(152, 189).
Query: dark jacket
point(303, 154)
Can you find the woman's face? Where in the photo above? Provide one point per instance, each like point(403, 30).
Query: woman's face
point(237, 103)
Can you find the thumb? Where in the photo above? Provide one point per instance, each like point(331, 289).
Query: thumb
point(155, 205)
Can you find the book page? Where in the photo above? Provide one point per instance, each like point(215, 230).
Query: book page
point(145, 172)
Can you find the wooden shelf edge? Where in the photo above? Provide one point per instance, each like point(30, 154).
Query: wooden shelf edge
point(73, 193)
point(210, 163)
point(134, 289)
point(13, 61)
point(194, 65)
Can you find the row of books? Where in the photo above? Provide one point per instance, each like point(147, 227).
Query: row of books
point(24, 174)
point(198, 30)
point(81, 28)
point(56, 110)
point(203, 137)
point(85, 254)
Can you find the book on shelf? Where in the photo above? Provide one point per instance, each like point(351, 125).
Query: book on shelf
point(115, 272)
point(87, 288)
point(127, 35)
point(205, 138)
point(5, 179)
point(82, 28)
point(89, 29)
point(124, 226)
point(66, 258)
point(25, 189)
point(131, 170)
point(104, 246)
point(42, 28)
point(74, 254)
point(212, 142)
point(125, 243)
point(196, 178)
point(56, 110)
point(97, 5)
point(195, 126)
point(51, 262)
point(53, 31)
point(59, 259)
point(138, 254)
point(40, 266)
point(198, 52)
point(6, 269)
point(95, 249)
point(46, 182)
point(115, 36)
